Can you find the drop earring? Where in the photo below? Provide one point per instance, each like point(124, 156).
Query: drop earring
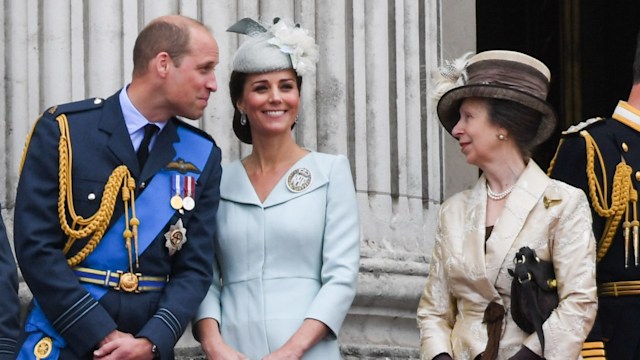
point(243, 119)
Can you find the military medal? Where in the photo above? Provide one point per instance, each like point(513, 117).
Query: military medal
point(299, 180)
point(176, 191)
point(43, 348)
point(188, 203)
point(176, 237)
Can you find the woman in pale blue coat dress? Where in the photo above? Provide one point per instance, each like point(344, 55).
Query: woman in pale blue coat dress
point(287, 246)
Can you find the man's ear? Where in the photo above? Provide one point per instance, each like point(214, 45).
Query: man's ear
point(161, 63)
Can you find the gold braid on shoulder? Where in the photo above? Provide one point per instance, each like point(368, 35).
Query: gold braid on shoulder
point(621, 193)
point(95, 225)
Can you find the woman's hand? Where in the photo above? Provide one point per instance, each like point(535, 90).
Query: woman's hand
point(284, 353)
point(301, 341)
point(222, 351)
point(525, 354)
point(213, 346)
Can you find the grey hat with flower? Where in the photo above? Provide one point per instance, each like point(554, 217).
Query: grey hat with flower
point(280, 46)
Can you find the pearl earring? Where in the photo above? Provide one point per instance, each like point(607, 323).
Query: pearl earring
point(243, 119)
point(501, 137)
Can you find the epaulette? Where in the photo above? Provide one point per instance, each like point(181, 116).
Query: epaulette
point(574, 129)
point(196, 130)
point(75, 107)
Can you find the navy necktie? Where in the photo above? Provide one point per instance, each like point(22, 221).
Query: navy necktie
point(143, 150)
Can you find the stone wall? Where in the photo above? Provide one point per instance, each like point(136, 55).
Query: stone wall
point(368, 101)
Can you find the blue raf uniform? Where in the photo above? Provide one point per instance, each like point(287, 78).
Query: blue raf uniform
point(602, 156)
point(9, 302)
point(78, 304)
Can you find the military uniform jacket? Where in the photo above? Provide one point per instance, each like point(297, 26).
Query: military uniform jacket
point(100, 143)
point(464, 277)
point(293, 256)
point(9, 302)
point(617, 138)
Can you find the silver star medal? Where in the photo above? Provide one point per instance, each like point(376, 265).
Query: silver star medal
point(299, 180)
point(176, 237)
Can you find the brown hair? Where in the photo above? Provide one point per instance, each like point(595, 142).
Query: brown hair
point(163, 35)
point(521, 122)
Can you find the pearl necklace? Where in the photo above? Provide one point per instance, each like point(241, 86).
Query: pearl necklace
point(498, 196)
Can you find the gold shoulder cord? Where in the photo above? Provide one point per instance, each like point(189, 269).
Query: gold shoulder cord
point(622, 193)
point(98, 222)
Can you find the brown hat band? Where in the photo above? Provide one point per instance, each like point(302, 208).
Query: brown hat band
point(509, 74)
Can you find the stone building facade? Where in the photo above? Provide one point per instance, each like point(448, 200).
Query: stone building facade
point(368, 100)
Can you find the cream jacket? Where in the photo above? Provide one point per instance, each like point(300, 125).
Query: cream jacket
point(463, 279)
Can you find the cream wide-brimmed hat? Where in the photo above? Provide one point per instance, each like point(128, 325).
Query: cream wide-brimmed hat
point(498, 74)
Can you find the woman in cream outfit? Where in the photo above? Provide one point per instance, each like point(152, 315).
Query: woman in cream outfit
point(287, 247)
point(498, 113)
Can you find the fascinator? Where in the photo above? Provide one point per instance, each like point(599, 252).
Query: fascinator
point(279, 47)
point(498, 74)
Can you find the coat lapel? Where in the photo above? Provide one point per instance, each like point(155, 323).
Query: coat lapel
point(119, 141)
point(527, 192)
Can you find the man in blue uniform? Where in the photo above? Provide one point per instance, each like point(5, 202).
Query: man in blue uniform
point(9, 302)
point(116, 207)
point(602, 156)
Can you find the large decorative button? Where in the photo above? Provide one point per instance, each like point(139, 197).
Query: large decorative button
point(128, 282)
point(299, 180)
point(91, 196)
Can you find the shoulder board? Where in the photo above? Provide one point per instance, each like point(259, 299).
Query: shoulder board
point(74, 107)
point(194, 129)
point(574, 129)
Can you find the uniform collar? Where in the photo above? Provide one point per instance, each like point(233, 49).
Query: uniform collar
point(132, 117)
point(628, 115)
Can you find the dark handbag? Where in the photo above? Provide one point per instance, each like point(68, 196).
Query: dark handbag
point(533, 292)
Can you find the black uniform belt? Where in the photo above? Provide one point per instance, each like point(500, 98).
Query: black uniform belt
point(120, 280)
point(619, 288)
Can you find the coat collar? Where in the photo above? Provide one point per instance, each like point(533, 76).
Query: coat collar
point(235, 184)
point(112, 122)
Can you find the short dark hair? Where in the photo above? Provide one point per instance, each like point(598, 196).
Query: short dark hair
point(162, 35)
point(521, 122)
point(236, 87)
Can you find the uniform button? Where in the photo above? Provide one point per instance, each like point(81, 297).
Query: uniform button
point(142, 185)
point(97, 101)
point(625, 147)
point(638, 175)
point(91, 196)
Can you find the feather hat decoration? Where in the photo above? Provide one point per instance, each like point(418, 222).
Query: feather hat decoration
point(450, 75)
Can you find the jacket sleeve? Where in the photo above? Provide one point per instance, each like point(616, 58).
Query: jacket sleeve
point(437, 307)
point(572, 247)
point(340, 251)
point(38, 238)
point(210, 307)
point(9, 302)
point(191, 270)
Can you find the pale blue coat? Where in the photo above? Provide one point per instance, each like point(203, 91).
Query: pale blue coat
point(295, 256)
